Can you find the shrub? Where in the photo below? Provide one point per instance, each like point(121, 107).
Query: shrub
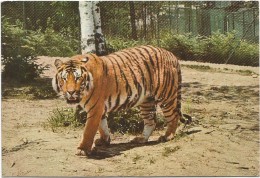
point(16, 39)
point(63, 117)
point(125, 121)
point(17, 58)
point(21, 69)
point(129, 121)
point(186, 46)
point(217, 48)
point(246, 54)
point(116, 44)
point(20, 46)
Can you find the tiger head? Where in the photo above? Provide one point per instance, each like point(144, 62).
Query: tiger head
point(72, 79)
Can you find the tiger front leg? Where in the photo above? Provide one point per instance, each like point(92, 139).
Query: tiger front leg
point(90, 130)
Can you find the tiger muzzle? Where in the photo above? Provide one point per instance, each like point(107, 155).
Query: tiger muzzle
point(72, 97)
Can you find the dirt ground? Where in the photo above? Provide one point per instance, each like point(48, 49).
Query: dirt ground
point(223, 139)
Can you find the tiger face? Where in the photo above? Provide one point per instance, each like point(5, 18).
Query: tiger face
point(72, 80)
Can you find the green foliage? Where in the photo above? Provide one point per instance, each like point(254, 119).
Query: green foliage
point(217, 48)
point(51, 43)
point(21, 69)
point(246, 54)
point(125, 121)
point(129, 121)
point(18, 41)
point(20, 46)
point(185, 46)
point(169, 150)
point(42, 92)
point(116, 44)
point(63, 117)
point(17, 58)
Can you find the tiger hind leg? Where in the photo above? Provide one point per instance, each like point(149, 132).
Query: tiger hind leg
point(104, 139)
point(148, 113)
point(172, 116)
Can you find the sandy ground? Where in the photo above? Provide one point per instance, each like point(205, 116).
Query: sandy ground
point(223, 139)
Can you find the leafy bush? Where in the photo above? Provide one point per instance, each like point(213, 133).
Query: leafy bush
point(16, 39)
point(20, 46)
point(17, 58)
point(122, 121)
point(63, 117)
point(246, 54)
point(186, 46)
point(125, 121)
point(51, 43)
point(21, 69)
point(222, 48)
point(116, 44)
point(129, 121)
point(217, 48)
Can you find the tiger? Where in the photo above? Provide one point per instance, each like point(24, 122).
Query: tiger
point(143, 76)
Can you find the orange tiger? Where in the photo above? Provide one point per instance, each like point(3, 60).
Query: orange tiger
point(143, 76)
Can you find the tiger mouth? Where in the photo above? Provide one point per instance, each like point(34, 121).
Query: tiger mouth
point(72, 100)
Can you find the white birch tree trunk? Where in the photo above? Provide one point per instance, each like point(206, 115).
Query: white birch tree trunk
point(87, 27)
point(99, 37)
point(92, 39)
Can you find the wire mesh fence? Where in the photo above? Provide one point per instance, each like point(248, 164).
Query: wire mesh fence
point(152, 19)
point(145, 21)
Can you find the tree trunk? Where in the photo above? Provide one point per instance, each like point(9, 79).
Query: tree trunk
point(132, 17)
point(87, 27)
point(92, 39)
point(100, 43)
point(144, 8)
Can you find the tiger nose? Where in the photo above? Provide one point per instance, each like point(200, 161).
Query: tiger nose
point(71, 92)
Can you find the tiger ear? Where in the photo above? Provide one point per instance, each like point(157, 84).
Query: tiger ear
point(58, 63)
point(89, 81)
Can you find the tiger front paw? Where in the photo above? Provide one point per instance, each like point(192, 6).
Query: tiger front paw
point(163, 139)
point(102, 142)
point(139, 140)
point(81, 152)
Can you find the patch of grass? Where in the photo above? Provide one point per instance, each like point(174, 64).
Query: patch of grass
point(63, 117)
point(180, 135)
point(204, 68)
point(129, 121)
point(43, 92)
point(246, 72)
point(100, 170)
point(136, 158)
point(39, 89)
point(198, 67)
point(151, 160)
point(168, 150)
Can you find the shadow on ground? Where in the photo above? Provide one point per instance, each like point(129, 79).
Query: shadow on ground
point(115, 149)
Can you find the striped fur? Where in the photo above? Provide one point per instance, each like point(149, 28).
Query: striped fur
point(144, 76)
